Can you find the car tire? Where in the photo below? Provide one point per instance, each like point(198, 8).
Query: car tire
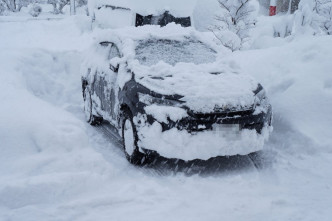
point(130, 140)
point(89, 117)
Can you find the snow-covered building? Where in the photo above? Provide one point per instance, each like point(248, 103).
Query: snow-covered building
point(120, 13)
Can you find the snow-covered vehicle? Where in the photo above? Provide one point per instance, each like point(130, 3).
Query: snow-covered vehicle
point(169, 92)
point(124, 13)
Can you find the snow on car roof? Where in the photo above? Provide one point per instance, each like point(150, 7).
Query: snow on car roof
point(123, 36)
point(177, 8)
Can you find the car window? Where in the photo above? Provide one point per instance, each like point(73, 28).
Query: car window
point(114, 52)
point(161, 20)
point(151, 51)
point(111, 49)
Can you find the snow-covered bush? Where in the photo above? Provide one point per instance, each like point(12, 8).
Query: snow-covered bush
point(58, 5)
point(54, 4)
point(2, 8)
point(35, 10)
point(14, 5)
point(324, 9)
point(80, 3)
point(306, 18)
point(314, 16)
point(234, 22)
point(283, 26)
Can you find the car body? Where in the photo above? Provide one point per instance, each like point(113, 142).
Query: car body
point(169, 91)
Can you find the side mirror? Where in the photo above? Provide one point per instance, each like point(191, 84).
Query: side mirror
point(115, 64)
point(115, 69)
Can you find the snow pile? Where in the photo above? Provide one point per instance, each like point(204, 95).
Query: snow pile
point(297, 76)
point(163, 113)
point(181, 144)
point(202, 90)
point(35, 10)
point(108, 18)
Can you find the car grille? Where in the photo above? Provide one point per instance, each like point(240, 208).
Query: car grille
point(218, 115)
point(205, 121)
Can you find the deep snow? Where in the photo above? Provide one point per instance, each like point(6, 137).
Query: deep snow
point(54, 166)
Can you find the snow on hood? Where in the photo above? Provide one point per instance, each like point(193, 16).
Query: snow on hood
point(178, 8)
point(204, 87)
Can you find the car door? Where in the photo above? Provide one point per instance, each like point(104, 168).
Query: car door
point(111, 81)
point(107, 81)
point(100, 81)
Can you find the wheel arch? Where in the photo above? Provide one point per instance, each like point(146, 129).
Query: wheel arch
point(85, 83)
point(123, 107)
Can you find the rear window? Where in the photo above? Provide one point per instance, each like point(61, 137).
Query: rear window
point(150, 52)
point(161, 20)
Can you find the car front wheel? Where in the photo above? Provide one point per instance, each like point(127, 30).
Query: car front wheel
point(130, 139)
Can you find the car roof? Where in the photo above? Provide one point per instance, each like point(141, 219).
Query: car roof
point(125, 38)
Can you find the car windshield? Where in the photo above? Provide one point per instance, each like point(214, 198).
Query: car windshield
point(151, 51)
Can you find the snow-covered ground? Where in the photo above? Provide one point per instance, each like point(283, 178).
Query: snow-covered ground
point(54, 166)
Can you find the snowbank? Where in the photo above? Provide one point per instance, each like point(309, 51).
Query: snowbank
point(296, 73)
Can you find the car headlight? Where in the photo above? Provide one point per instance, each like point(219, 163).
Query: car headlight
point(260, 95)
point(149, 100)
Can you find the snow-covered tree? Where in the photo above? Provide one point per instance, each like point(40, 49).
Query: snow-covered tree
point(314, 15)
point(234, 22)
point(3, 8)
point(324, 10)
point(58, 5)
point(306, 18)
point(35, 10)
point(80, 3)
point(54, 3)
point(14, 5)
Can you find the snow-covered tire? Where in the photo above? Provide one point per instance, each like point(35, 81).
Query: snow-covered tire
point(89, 117)
point(130, 139)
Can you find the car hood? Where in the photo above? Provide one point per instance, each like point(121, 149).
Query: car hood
point(205, 88)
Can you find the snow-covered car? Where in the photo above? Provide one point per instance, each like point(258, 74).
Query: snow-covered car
point(168, 91)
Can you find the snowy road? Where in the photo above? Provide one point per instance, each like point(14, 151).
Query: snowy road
point(53, 166)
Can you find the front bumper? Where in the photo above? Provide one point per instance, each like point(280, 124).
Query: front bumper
point(194, 137)
point(197, 122)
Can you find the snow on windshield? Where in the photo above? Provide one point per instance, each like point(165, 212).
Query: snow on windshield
point(150, 52)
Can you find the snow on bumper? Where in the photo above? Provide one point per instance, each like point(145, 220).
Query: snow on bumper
point(181, 144)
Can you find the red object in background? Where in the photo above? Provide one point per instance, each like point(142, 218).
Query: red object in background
point(273, 10)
